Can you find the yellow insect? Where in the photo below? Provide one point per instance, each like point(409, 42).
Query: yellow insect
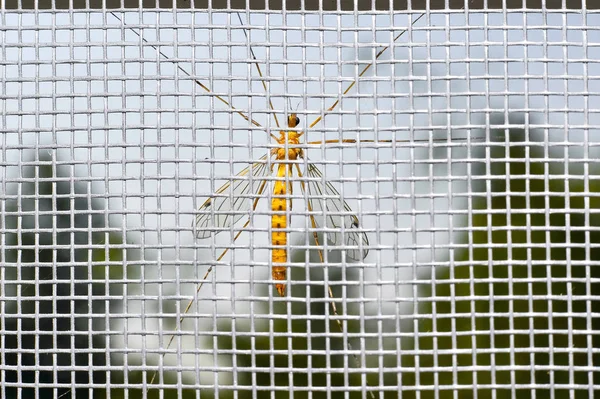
point(325, 208)
point(233, 201)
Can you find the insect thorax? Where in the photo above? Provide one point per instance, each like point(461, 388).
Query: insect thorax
point(290, 140)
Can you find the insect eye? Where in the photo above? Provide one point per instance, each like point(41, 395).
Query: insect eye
point(297, 121)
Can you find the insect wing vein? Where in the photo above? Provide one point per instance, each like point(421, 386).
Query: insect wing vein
point(232, 201)
point(325, 202)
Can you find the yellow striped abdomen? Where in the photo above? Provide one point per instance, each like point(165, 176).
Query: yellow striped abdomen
point(279, 222)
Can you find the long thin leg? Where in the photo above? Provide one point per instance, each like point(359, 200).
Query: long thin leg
point(204, 87)
point(338, 141)
point(322, 258)
point(262, 78)
point(191, 302)
point(365, 69)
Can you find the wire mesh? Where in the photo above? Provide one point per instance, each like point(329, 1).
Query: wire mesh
point(469, 163)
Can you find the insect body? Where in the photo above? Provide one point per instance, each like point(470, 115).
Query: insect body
point(325, 208)
point(279, 204)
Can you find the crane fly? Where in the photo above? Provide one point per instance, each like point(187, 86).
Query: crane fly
point(325, 208)
point(234, 199)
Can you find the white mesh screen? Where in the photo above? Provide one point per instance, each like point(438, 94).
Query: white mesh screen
point(467, 154)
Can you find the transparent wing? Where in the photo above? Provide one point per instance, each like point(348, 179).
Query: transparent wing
point(233, 200)
point(324, 199)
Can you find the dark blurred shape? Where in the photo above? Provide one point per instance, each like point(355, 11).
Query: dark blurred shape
point(516, 314)
point(58, 299)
